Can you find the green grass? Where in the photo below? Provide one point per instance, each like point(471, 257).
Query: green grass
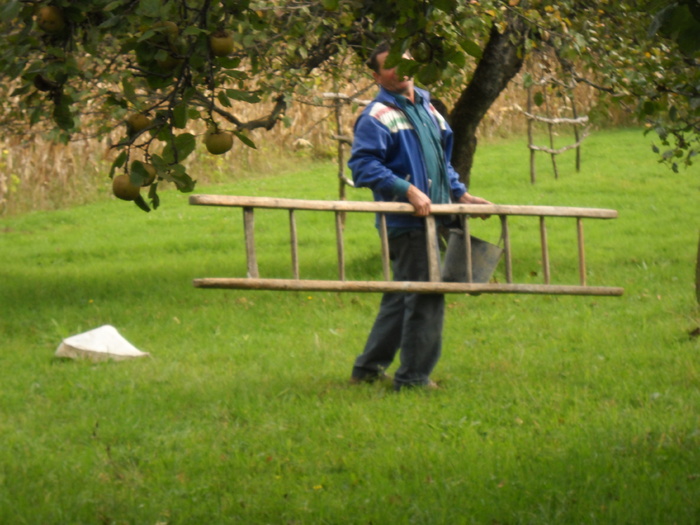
point(554, 409)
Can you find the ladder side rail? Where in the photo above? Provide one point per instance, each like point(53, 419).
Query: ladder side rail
point(400, 286)
point(399, 207)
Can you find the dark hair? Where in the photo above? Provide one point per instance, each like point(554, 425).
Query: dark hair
point(372, 62)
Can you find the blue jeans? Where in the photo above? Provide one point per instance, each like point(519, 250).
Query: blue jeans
point(407, 321)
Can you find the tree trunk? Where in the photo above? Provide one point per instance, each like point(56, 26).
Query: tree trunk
point(502, 59)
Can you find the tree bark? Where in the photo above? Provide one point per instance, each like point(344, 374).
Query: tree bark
point(502, 59)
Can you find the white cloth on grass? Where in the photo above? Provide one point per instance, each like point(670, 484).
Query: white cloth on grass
point(100, 344)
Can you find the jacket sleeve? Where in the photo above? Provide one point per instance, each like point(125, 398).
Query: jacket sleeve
point(457, 188)
point(368, 160)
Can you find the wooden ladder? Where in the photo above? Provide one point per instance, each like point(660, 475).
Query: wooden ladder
point(435, 284)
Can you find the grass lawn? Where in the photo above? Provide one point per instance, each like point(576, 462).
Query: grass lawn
point(554, 409)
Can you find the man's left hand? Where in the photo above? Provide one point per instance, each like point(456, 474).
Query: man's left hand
point(471, 199)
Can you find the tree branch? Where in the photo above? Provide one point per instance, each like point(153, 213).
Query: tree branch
point(267, 122)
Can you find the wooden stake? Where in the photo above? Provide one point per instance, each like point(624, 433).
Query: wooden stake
point(577, 136)
point(529, 136)
point(550, 127)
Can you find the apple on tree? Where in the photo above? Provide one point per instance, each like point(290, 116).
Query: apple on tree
point(123, 189)
point(218, 142)
point(221, 43)
point(137, 122)
point(50, 19)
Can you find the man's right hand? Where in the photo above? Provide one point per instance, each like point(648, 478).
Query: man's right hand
point(420, 201)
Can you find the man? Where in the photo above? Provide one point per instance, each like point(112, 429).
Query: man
point(401, 150)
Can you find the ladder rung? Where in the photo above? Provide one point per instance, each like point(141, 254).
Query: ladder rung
point(294, 244)
point(340, 245)
point(433, 249)
point(249, 224)
point(545, 250)
point(581, 252)
point(506, 248)
point(384, 235)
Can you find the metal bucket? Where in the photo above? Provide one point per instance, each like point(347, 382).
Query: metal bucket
point(485, 257)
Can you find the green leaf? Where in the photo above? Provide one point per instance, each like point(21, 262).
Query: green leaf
point(673, 114)
point(471, 48)
point(22, 90)
point(182, 179)
point(63, 117)
point(180, 115)
point(539, 98)
point(231, 63)
point(429, 74)
point(179, 148)
point(245, 139)
point(10, 10)
point(141, 203)
point(185, 144)
point(330, 5)
point(223, 99)
point(118, 163)
point(246, 96)
point(138, 174)
point(129, 92)
point(234, 73)
point(456, 59)
point(149, 7)
point(159, 162)
point(37, 115)
point(193, 30)
point(153, 195)
point(113, 5)
point(445, 5)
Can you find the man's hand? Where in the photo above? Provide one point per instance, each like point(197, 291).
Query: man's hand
point(419, 200)
point(471, 199)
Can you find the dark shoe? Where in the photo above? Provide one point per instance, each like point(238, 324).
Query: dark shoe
point(430, 385)
point(371, 379)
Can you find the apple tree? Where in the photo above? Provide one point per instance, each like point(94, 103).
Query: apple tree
point(150, 68)
point(156, 66)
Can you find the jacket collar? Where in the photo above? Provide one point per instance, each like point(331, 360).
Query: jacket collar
point(387, 97)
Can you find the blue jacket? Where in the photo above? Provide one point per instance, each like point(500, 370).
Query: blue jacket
point(386, 151)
